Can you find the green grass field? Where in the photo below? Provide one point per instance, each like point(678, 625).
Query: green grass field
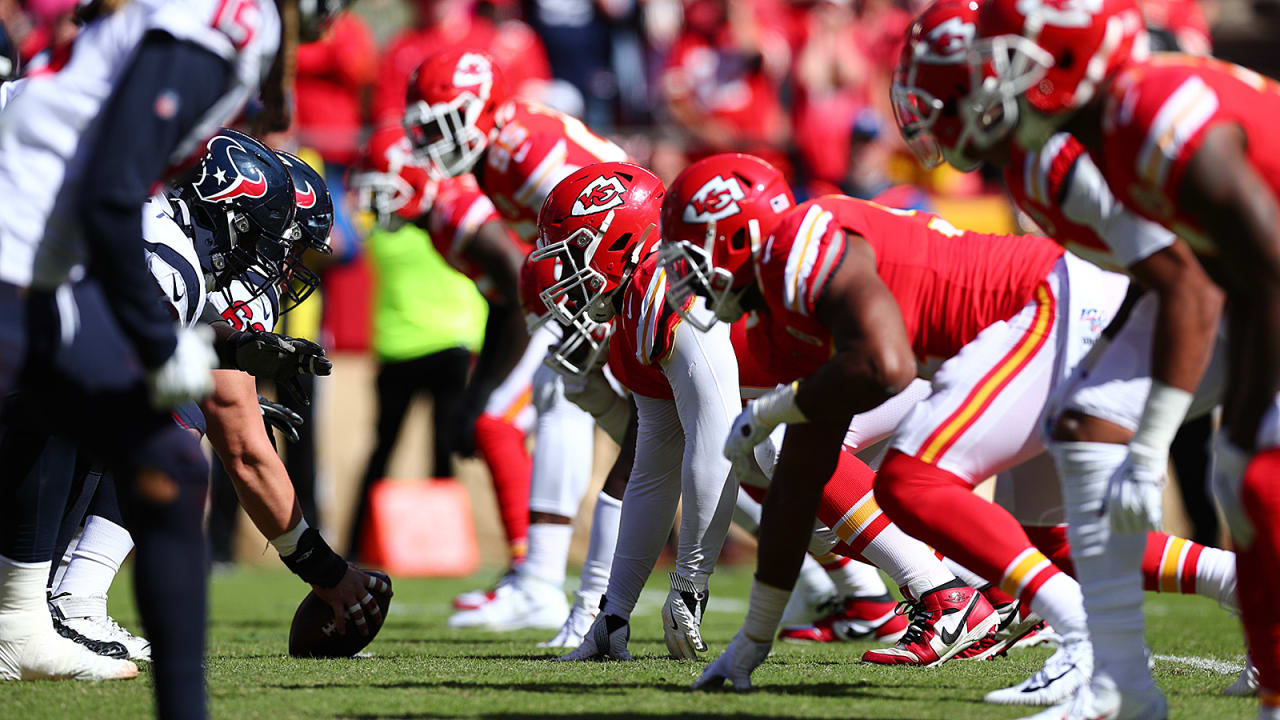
point(420, 669)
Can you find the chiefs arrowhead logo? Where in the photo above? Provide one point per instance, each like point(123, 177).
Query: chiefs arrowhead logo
point(601, 194)
point(715, 200)
point(950, 40)
point(474, 71)
point(244, 180)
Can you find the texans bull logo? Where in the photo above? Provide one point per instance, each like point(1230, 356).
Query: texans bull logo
point(717, 199)
point(304, 197)
point(243, 180)
point(601, 194)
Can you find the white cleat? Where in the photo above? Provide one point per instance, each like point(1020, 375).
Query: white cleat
point(1100, 700)
point(1065, 672)
point(581, 615)
point(525, 603)
point(88, 616)
point(1246, 684)
point(31, 650)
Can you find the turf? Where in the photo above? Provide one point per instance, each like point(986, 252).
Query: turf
point(421, 669)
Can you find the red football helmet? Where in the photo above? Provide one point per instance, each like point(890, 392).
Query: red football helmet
point(449, 108)
point(931, 84)
point(716, 215)
point(582, 348)
point(393, 180)
point(599, 222)
point(1051, 54)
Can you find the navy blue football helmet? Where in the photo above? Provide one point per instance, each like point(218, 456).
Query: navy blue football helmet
point(242, 204)
point(315, 220)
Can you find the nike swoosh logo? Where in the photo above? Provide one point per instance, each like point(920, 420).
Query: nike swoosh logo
point(1049, 681)
point(949, 638)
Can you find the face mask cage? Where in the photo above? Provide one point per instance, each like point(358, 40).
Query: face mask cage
point(447, 134)
point(583, 348)
point(1001, 69)
point(916, 111)
point(690, 271)
point(259, 259)
point(580, 292)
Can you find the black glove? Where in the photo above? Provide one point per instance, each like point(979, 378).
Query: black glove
point(274, 357)
point(279, 416)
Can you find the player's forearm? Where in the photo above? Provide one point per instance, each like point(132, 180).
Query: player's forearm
point(1187, 317)
point(853, 382)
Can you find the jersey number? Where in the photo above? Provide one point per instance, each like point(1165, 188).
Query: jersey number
point(240, 315)
point(238, 20)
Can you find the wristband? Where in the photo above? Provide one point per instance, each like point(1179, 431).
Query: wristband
point(287, 543)
point(764, 612)
point(779, 406)
point(315, 562)
point(1165, 409)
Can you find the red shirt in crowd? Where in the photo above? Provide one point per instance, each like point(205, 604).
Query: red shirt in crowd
point(332, 74)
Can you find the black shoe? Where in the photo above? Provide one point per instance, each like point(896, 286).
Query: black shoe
point(106, 648)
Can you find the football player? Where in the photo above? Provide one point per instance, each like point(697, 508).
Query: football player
point(459, 117)
point(598, 226)
point(470, 235)
point(1180, 140)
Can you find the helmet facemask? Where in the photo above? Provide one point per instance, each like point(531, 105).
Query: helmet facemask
point(447, 133)
point(583, 347)
point(583, 291)
point(691, 271)
point(1002, 69)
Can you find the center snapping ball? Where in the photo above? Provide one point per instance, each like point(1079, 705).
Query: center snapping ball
point(315, 634)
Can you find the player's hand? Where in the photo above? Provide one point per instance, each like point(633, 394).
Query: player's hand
point(1135, 495)
point(682, 619)
point(280, 417)
point(606, 639)
point(748, 431)
point(278, 357)
point(353, 597)
point(735, 664)
point(187, 374)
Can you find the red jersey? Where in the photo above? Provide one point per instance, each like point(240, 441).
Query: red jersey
point(949, 284)
point(1037, 183)
point(459, 211)
point(645, 335)
point(532, 148)
point(1155, 118)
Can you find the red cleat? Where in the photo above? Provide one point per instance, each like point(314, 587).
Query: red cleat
point(1018, 628)
point(852, 619)
point(472, 599)
point(945, 622)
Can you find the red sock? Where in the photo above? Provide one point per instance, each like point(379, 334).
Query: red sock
point(940, 509)
point(1169, 564)
point(502, 446)
point(1052, 541)
point(848, 505)
point(1258, 568)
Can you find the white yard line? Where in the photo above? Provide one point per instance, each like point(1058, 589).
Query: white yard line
point(1221, 667)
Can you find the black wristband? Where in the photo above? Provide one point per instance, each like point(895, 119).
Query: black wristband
point(227, 347)
point(315, 562)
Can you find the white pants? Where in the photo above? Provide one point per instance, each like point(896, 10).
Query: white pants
point(512, 400)
point(562, 451)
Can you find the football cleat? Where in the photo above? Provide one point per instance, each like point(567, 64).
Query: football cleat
point(581, 615)
point(606, 639)
point(812, 597)
point(852, 618)
point(472, 599)
point(682, 619)
point(525, 603)
point(1066, 671)
point(30, 649)
point(1246, 684)
point(85, 620)
point(947, 620)
point(1016, 630)
point(1101, 700)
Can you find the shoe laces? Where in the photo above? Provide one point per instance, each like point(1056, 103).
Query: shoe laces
point(919, 621)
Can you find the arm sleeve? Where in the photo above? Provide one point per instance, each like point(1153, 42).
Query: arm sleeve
point(703, 372)
point(134, 143)
point(1087, 200)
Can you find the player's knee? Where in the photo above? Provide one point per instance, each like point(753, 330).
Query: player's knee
point(1074, 426)
point(894, 485)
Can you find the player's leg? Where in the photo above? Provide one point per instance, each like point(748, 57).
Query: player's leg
point(13, 335)
point(394, 387)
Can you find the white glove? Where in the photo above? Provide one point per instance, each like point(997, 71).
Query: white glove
point(186, 375)
point(605, 640)
point(735, 664)
point(682, 619)
point(1135, 494)
point(755, 423)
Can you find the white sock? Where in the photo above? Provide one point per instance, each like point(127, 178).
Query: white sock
point(909, 562)
point(604, 538)
point(548, 553)
point(1216, 577)
point(970, 578)
point(102, 548)
point(1059, 601)
point(1108, 565)
point(65, 561)
point(857, 579)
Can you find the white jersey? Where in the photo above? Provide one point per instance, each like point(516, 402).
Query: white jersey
point(246, 309)
point(47, 131)
point(171, 257)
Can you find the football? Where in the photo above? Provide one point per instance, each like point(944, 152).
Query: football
point(314, 634)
